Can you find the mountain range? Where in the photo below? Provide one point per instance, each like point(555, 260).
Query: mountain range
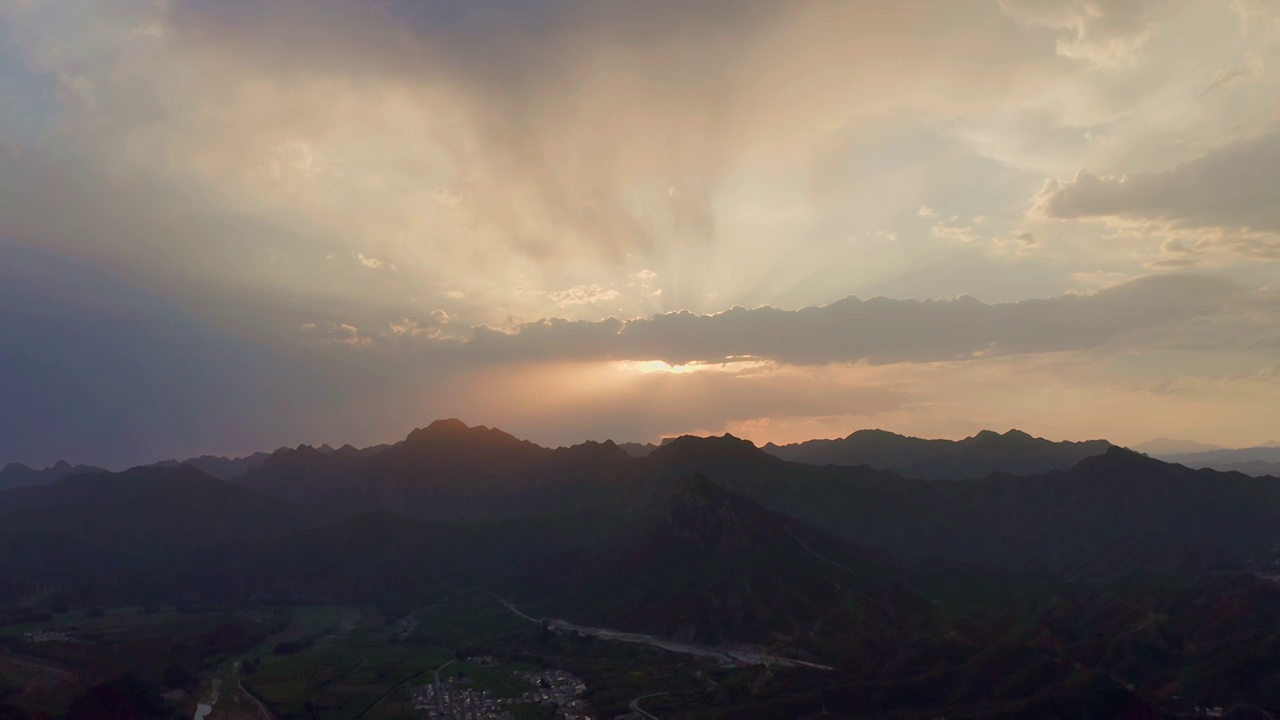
point(1013, 452)
point(919, 591)
point(1263, 460)
point(18, 475)
point(1107, 515)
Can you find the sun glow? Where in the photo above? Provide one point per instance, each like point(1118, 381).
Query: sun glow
point(729, 365)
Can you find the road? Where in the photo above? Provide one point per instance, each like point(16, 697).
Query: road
point(724, 655)
point(517, 611)
point(635, 706)
point(440, 695)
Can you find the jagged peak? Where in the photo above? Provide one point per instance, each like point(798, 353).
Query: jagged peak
point(686, 443)
point(292, 456)
point(689, 452)
point(453, 428)
point(594, 450)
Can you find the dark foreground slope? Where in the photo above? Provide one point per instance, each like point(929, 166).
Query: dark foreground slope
point(715, 567)
point(112, 537)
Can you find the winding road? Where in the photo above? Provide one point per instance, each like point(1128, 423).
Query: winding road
point(635, 706)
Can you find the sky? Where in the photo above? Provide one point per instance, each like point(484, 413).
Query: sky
point(231, 225)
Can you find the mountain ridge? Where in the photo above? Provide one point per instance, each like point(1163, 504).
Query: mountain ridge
point(1014, 452)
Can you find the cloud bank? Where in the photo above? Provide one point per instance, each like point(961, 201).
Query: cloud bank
point(882, 330)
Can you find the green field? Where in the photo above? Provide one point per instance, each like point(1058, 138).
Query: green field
point(321, 662)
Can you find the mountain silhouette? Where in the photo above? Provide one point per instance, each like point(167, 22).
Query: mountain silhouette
point(446, 471)
point(1014, 452)
point(1106, 514)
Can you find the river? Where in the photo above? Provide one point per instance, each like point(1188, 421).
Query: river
point(204, 709)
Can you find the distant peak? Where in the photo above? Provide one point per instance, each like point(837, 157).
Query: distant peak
point(1116, 458)
point(725, 440)
point(453, 431)
point(62, 465)
point(447, 425)
point(15, 467)
point(873, 433)
point(688, 448)
point(1016, 434)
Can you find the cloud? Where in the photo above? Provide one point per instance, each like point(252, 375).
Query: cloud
point(1106, 33)
point(881, 330)
point(1228, 192)
point(548, 130)
point(374, 263)
point(1257, 15)
point(1239, 75)
point(582, 295)
point(337, 333)
point(1017, 243)
point(598, 401)
point(412, 326)
point(953, 233)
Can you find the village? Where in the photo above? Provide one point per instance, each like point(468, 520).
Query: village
point(457, 698)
